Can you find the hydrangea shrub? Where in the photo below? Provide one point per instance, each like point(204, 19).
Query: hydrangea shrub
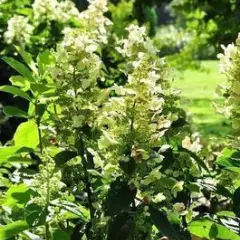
point(94, 162)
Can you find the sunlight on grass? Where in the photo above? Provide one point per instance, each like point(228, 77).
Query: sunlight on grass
point(198, 91)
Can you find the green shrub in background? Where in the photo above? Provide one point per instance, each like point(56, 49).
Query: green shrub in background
point(224, 15)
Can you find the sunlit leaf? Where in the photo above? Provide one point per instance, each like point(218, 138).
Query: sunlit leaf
point(27, 135)
point(14, 112)
point(20, 68)
point(210, 230)
point(12, 229)
point(15, 91)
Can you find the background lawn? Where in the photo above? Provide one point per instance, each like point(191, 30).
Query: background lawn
point(198, 91)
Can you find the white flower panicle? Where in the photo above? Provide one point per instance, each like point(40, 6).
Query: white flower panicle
point(136, 113)
point(77, 52)
point(79, 66)
point(230, 66)
point(44, 9)
point(227, 58)
point(192, 144)
point(65, 11)
point(137, 41)
point(94, 21)
point(18, 31)
point(53, 10)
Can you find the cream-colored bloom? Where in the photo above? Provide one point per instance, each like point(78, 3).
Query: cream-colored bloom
point(18, 31)
point(229, 65)
point(49, 10)
point(193, 144)
point(44, 9)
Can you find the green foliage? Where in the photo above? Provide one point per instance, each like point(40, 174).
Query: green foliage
point(12, 229)
point(224, 15)
point(27, 135)
point(210, 230)
point(103, 161)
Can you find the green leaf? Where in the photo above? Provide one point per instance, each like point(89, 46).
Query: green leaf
point(193, 187)
point(44, 59)
point(198, 160)
point(59, 234)
point(20, 68)
point(26, 135)
point(6, 153)
point(64, 156)
point(162, 223)
point(18, 195)
point(43, 88)
point(226, 214)
point(210, 230)
point(23, 160)
point(129, 166)
point(12, 229)
point(75, 210)
point(27, 57)
point(221, 190)
point(35, 215)
point(15, 91)
point(229, 158)
point(236, 202)
point(21, 82)
point(119, 197)
point(14, 112)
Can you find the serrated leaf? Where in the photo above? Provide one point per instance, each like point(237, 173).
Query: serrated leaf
point(15, 91)
point(27, 135)
point(20, 68)
point(14, 112)
point(12, 229)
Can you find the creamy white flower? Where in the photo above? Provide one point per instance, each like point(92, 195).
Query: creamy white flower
point(192, 145)
point(48, 10)
point(18, 31)
point(159, 198)
point(44, 9)
point(229, 65)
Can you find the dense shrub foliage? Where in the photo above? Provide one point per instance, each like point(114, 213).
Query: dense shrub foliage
point(104, 150)
point(223, 14)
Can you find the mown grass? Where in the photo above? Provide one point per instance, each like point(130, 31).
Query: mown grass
point(198, 92)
